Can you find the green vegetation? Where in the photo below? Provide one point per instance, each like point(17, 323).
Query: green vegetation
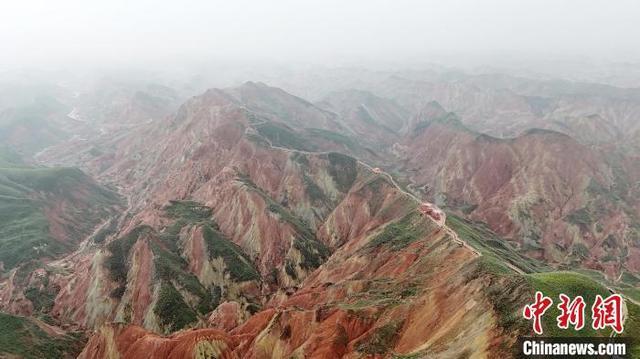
point(508, 291)
point(419, 355)
point(184, 213)
point(506, 296)
point(571, 284)
point(300, 158)
point(95, 151)
point(630, 278)
point(382, 339)
point(409, 291)
point(622, 185)
point(289, 268)
point(42, 299)
point(366, 116)
point(580, 217)
point(253, 308)
point(468, 208)
point(314, 252)
point(117, 262)
point(24, 271)
point(188, 210)
point(580, 251)
point(449, 119)
point(286, 216)
point(182, 297)
point(257, 139)
point(22, 337)
point(172, 268)
point(9, 158)
point(496, 250)
point(343, 169)
point(314, 191)
point(597, 190)
point(401, 233)
point(237, 262)
point(24, 194)
point(333, 137)
point(375, 186)
point(382, 292)
point(282, 136)
point(173, 313)
point(311, 249)
point(246, 180)
point(45, 179)
point(30, 124)
point(632, 328)
point(24, 233)
point(106, 230)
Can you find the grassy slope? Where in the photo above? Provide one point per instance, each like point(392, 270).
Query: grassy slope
point(21, 337)
point(307, 139)
point(537, 277)
point(313, 251)
point(571, 284)
point(33, 119)
point(183, 298)
point(24, 234)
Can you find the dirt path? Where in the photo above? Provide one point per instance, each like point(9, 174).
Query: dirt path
point(625, 310)
point(441, 223)
point(518, 270)
point(49, 329)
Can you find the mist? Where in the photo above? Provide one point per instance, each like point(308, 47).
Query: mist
point(102, 33)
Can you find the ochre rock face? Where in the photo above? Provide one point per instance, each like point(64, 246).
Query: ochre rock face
point(371, 296)
point(343, 311)
point(302, 254)
point(74, 209)
point(134, 342)
point(541, 189)
point(226, 316)
point(567, 197)
point(268, 201)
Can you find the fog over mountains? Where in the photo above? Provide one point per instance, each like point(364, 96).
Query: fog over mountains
point(329, 32)
point(313, 180)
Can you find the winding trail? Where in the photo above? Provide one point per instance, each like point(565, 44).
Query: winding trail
point(440, 223)
point(455, 236)
point(625, 310)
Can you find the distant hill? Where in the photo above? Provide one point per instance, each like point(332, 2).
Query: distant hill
point(46, 212)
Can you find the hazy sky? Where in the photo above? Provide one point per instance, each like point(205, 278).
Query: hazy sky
point(124, 31)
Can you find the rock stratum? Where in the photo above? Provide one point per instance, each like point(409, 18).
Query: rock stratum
point(255, 226)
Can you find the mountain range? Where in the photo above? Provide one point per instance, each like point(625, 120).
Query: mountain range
point(250, 222)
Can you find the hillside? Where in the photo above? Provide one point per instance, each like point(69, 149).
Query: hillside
point(30, 338)
point(256, 225)
point(46, 213)
point(318, 235)
point(556, 198)
point(32, 127)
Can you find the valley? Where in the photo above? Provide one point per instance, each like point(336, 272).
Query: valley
point(250, 222)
